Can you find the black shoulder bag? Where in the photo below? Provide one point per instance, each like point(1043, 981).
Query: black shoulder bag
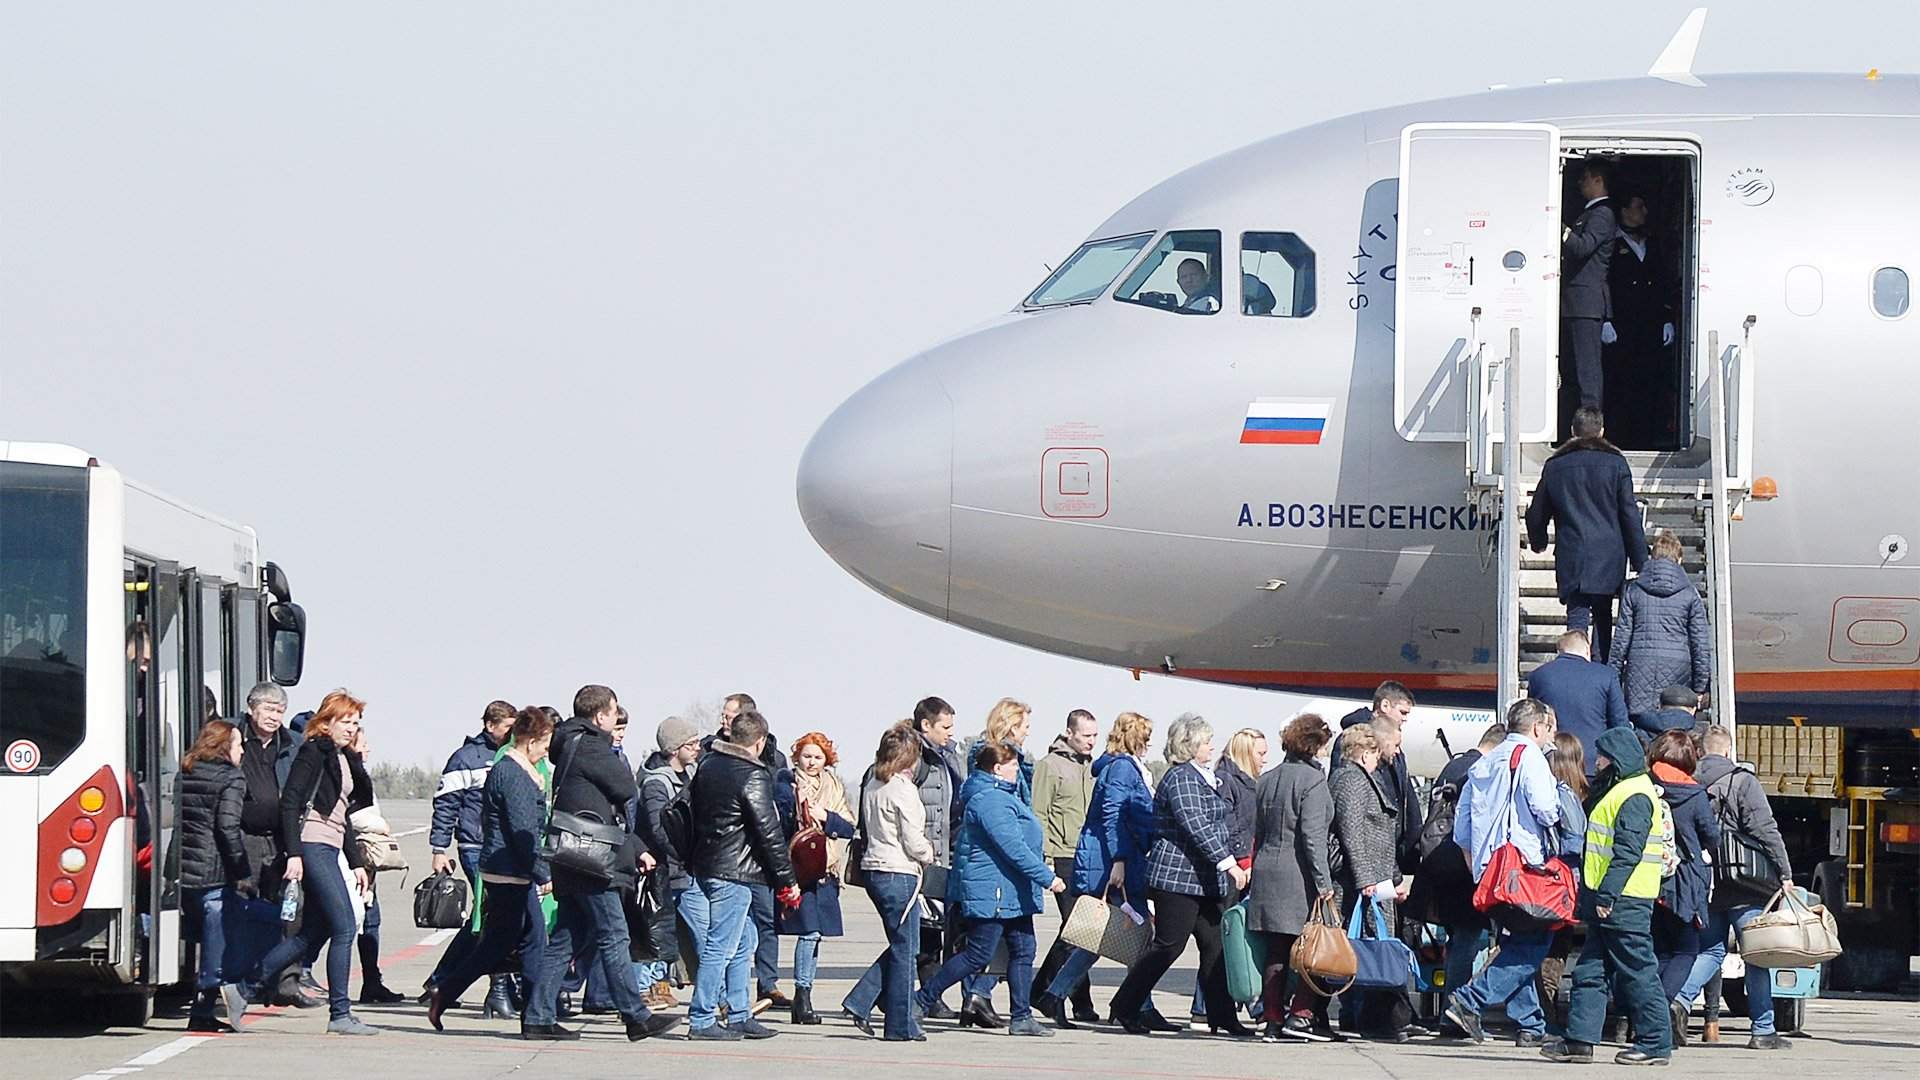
point(581, 844)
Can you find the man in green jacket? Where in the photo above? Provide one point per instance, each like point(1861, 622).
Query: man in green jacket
point(1062, 788)
point(1620, 881)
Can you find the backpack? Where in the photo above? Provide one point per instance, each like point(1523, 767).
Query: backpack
point(1669, 840)
point(1442, 805)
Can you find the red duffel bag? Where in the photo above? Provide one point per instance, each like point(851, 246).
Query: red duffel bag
point(1520, 897)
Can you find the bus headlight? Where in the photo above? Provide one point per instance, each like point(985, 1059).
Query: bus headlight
point(73, 860)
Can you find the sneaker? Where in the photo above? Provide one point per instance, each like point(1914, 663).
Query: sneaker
point(1768, 1042)
point(1027, 1025)
point(1197, 1022)
point(1301, 1027)
point(1640, 1057)
point(1467, 1021)
point(1562, 1050)
point(754, 1029)
point(1328, 1033)
point(235, 997)
point(350, 1025)
point(715, 1033)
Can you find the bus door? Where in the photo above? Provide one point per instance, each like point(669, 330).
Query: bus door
point(158, 733)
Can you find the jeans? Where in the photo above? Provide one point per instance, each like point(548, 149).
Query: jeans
point(891, 976)
point(329, 919)
point(983, 938)
point(1593, 615)
point(510, 917)
point(1509, 981)
point(719, 914)
point(1707, 964)
point(1676, 945)
point(806, 960)
point(1176, 917)
point(766, 949)
point(586, 924)
point(234, 932)
point(1073, 971)
point(1619, 950)
point(1464, 943)
point(666, 938)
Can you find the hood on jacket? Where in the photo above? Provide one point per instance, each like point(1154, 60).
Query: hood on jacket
point(1712, 769)
point(1064, 749)
point(1622, 747)
point(979, 780)
point(660, 762)
point(1678, 786)
point(1590, 442)
point(1663, 578)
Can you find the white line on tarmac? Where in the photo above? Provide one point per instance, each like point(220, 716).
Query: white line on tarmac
point(435, 938)
point(410, 832)
point(163, 1052)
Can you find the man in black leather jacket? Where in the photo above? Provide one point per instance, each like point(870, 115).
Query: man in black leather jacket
point(590, 780)
point(737, 844)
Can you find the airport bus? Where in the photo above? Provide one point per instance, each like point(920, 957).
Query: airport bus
point(127, 619)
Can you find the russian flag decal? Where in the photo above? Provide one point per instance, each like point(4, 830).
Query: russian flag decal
point(1286, 421)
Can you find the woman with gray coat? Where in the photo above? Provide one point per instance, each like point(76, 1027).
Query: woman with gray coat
point(1291, 872)
point(1663, 638)
point(1366, 823)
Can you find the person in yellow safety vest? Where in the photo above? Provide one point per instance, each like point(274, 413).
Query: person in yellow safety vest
point(1621, 882)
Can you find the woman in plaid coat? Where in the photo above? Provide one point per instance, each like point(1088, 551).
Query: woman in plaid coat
point(1189, 872)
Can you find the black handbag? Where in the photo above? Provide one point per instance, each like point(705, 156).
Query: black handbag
point(1743, 873)
point(441, 902)
point(581, 844)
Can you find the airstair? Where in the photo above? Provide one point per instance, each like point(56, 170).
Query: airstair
point(1696, 498)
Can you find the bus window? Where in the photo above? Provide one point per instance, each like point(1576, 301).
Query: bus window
point(246, 645)
point(212, 658)
point(43, 610)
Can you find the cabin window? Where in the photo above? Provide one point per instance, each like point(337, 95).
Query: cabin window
point(1805, 292)
point(1087, 272)
point(1276, 275)
point(1181, 274)
point(1890, 295)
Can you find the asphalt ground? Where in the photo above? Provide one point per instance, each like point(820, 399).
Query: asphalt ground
point(1845, 1037)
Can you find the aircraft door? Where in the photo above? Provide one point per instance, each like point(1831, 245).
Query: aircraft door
point(1479, 229)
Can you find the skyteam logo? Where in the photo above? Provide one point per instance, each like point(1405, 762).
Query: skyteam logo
point(1751, 186)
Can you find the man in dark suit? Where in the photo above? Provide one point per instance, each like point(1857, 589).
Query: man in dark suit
point(1586, 253)
point(1586, 492)
point(1585, 695)
point(1638, 359)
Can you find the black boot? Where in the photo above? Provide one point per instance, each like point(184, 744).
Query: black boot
point(803, 1006)
point(977, 1011)
point(499, 1005)
point(373, 989)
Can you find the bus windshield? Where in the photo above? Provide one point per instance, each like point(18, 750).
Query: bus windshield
point(43, 613)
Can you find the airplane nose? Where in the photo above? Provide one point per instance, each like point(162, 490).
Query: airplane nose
point(875, 487)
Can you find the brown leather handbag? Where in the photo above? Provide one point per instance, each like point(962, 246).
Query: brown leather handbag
point(1323, 955)
point(808, 852)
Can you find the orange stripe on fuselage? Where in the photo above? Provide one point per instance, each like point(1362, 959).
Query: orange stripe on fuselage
point(1896, 679)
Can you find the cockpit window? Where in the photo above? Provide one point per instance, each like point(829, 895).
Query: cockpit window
point(1181, 274)
point(1087, 272)
point(1276, 275)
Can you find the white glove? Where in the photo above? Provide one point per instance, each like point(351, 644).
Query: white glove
point(1666, 333)
point(1607, 334)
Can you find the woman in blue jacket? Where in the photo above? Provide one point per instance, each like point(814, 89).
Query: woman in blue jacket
point(999, 879)
point(1110, 861)
point(513, 815)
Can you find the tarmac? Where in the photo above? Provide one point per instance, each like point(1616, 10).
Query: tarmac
point(1845, 1036)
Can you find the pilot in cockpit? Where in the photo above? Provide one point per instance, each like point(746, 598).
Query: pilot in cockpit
point(1201, 290)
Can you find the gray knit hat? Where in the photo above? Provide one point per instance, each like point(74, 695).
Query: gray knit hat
point(675, 732)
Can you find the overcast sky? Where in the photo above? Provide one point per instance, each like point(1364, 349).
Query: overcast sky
point(505, 324)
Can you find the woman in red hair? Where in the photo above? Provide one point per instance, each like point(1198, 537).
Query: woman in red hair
point(810, 795)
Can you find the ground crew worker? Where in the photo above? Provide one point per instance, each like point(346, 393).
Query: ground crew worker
point(1620, 883)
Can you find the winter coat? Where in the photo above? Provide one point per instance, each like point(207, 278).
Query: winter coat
point(1660, 721)
point(938, 776)
point(1698, 833)
point(1396, 782)
point(1194, 835)
point(1741, 804)
point(591, 781)
point(1000, 870)
point(213, 848)
point(1062, 789)
point(819, 910)
point(1585, 696)
point(1366, 826)
point(313, 782)
point(1632, 825)
point(513, 817)
point(1242, 795)
point(1120, 826)
point(1662, 637)
point(736, 825)
point(456, 802)
point(1586, 492)
point(660, 782)
point(1292, 827)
